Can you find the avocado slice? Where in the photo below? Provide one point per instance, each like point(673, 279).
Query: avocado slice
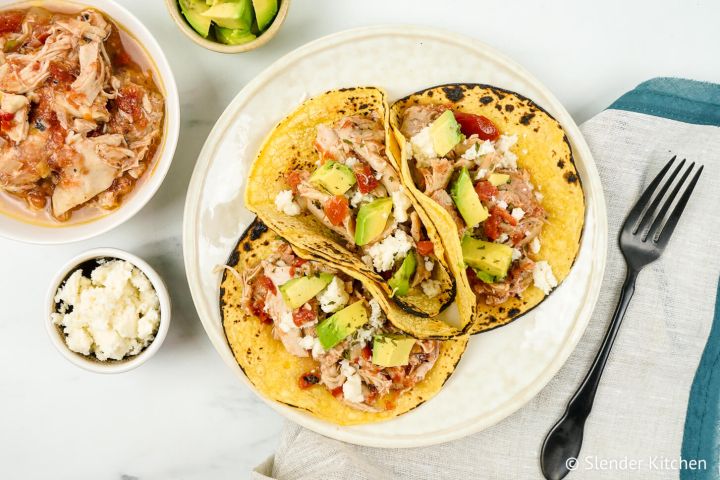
point(445, 133)
point(334, 177)
point(335, 329)
point(265, 11)
point(485, 277)
point(392, 350)
point(400, 281)
point(371, 220)
point(236, 15)
point(298, 291)
point(497, 179)
point(467, 200)
point(492, 258)
point(233, 36)
point(192, 10)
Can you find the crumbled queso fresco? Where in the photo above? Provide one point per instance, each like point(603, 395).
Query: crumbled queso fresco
point(112, 314)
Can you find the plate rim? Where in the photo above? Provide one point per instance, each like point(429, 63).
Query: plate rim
point(581, 149)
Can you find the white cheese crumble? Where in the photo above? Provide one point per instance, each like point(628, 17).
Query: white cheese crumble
point(115, 312)
point(385, 253)
point(317, 349)
point(503, 238)
point(285, 203)
point(422, 145)
point(518, 213)
point(352, 388)
point(351, 162)
point(539, 196)
point(377, 317)
point(401, 203)
point(333, 297)
point(481, 173)
point(516, 254)
point(286, 322)
point(431, 288)
point(307, 342)
point(535, 245)
point(503, 145)
point(429, 264)
point(358, 197)
point(502, 204)
point(543, 277)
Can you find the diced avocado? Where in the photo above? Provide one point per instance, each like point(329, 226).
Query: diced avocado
point(391, 350)
point(299, 290)
point(237, 14)
point(498, 178)
point(335, 329)
point(334, 177)
point(491, 258)
point(400, 281)
point(467, 200)
point(192, 11)
point(265, 11)
point(485, 277)
point(372, 219)
point(445, 133)
point(230, 36)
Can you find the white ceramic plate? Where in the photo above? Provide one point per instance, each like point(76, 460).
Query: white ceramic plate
point(501, 369)
point(14, 225)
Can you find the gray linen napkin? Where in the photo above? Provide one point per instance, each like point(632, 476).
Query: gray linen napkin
point(639, 412)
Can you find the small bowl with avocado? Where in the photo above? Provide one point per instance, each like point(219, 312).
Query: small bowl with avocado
point(229, 26)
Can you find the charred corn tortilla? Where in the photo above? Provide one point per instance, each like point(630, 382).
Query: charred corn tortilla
point(290, 147)
point(543, 150)
point(275, 372)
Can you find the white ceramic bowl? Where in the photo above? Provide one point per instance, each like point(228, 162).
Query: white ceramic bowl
point(88, 362)
point(19, 229)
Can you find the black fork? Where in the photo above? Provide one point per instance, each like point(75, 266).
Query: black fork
point(640, 244)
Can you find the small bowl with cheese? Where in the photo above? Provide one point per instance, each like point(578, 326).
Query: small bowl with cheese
point(109, 311)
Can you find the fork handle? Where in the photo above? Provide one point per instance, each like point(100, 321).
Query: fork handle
point(565, 438)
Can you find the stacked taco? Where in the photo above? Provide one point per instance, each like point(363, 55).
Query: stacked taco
point(373, 220)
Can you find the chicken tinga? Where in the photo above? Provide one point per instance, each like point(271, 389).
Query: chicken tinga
point(80, 120)
point(325, 180)
point(329, 333)
point(468, 164)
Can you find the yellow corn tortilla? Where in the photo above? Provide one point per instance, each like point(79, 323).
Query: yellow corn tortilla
point(289, 147)
point(543, 150)
point(275, 373)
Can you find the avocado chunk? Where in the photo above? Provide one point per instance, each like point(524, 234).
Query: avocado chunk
point(298, 291)
point(233, 36)
point(265, 11)
point(445, 133)
point(335, 329)
point(492, 258)
point(334, 177)
point(467, 200)
point(371, 220)
point(400, 281)
point(497, 179)
point(236, 15)
point(485, 277)
point(192, 11)
point(392, 350)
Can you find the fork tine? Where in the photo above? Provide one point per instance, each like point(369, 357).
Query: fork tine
point(634, 214)
point(655, 227)
point(672, 221)
point(650, 212)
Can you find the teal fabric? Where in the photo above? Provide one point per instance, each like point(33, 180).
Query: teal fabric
point(679, 99)
point(701, 439)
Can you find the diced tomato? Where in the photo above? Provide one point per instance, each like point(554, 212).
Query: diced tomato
point(365, 178)
point(6, 121)
point(258, 309)
point(60, 73)
point(491, 227)
point(504, 215)
point(425, 247)
point(485, 190)
point(299, 262)
point(293, 179)
point(302, 316)
point(11, 21)
point(367, 352)
point(267, 283)
point(471, 124)
point(308, 379)
point(337, 392)
point(336, 209)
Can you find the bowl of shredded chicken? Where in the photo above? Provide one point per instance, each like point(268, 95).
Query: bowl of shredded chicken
point(88, 118)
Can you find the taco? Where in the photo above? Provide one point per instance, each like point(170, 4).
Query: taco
point(495, 173)
point(324, 181)
point(314, 336)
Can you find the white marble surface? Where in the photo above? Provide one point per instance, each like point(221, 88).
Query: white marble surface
point(184, 415)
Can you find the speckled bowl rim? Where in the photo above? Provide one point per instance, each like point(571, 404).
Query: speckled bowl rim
point(208, 308)
point(177, 16)
point(113, 366)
